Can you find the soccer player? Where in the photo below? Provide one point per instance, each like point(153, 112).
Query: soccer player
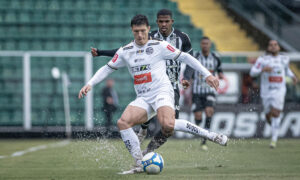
point(204, 96)
point(178, 39)
point(272, 69)
point(154, 90)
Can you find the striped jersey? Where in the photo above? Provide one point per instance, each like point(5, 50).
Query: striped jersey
point(213, 64)
point(181, 41)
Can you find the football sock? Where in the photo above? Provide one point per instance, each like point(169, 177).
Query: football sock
point(206, 126)
point(275, 128)
point(158, 140)
point(198, 122)
point(145, 125)
point(132, 144)
point(186, 126)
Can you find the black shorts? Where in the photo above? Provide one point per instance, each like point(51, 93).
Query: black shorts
point(203, 101)
point(176, 100)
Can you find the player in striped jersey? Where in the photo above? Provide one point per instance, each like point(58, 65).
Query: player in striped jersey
point(204, 96)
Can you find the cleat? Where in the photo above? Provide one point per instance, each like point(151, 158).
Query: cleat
point(204, 147)
point(142, 135)
point(221, 139)
point(273, 145)
point(138, 168)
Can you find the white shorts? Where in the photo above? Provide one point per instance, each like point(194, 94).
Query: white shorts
point(152, 104)
point(273, 102)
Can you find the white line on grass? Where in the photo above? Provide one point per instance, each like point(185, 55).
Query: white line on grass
point(37, 148)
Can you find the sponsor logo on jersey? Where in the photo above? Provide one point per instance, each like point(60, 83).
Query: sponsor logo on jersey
point(275, 79)
point(138, 60)
point(139, 52)
point(149, 50)
point(143, 91)
point(171, 48)
point(151, 44)
point(140, 68)
point(114, 59)
point(142, 78)
point(128, 47)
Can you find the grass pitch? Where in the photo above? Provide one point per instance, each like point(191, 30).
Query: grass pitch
point(103, 158)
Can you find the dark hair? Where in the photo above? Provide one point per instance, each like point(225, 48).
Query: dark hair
point(205, 38)
point(164, 12)
point(139, 20)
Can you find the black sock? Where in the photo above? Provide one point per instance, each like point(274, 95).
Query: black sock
point(207, 123)
point(145, 125)
point(198, 122)
point(158, 140)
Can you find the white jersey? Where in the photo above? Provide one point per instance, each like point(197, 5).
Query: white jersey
point(147, 65)
point(272, 83)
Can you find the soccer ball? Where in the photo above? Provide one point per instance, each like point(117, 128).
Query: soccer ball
point(153, 163)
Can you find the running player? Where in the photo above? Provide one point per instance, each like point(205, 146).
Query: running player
point(153, 88)
point(204, 97)
point(272, 68)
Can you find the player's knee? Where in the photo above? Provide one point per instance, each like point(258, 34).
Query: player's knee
point(276, 113)
point(123, 124)
point(209, 112)
point(168, 127)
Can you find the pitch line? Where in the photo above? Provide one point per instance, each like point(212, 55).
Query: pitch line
point(37, 148)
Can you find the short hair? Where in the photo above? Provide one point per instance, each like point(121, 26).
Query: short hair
point(164, 12)
point(205, 38)
point(139, 20)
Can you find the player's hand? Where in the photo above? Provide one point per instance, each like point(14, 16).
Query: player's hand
point(185, 84)
point(267, 69)
point(84, 90)
point(213, 82)
point(295, 80)
point(94, 51)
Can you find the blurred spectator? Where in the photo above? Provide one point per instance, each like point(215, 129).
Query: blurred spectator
point(110, 101)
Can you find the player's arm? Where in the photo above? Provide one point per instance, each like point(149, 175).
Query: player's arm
point(219, 66)
point(289, 72)
point(102, 73)
point(257, 68)
point(188, 72)
point(97, 52)
point(169, 52)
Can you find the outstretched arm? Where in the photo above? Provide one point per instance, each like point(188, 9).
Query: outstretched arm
point(192, 62)
point(97, 52)
point(101, 74)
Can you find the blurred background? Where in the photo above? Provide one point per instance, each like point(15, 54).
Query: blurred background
point(45, 60)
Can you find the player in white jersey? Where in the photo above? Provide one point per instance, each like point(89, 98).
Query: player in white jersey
point(145, 60)
point(273, 68)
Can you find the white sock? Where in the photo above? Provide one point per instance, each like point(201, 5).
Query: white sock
point(275, 128)
point(186, 126)
point(132, 144)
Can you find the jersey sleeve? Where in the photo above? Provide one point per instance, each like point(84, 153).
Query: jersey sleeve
point(117, 61)
point(257, 67)
point(288, 71)
point(168, 51)
point(186, 44)
point(109, 53)
point(219, 63)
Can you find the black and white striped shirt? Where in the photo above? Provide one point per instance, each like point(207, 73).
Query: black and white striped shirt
point(181, 41)
point(213, 64)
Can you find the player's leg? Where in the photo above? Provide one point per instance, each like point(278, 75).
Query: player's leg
point(209, 111)
point(199, 106)
point(135, 113)
point(275, 126)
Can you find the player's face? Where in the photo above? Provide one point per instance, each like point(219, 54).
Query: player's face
point(165, 24)
point(205, 45)
point(273, 47)
point(140, 33)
